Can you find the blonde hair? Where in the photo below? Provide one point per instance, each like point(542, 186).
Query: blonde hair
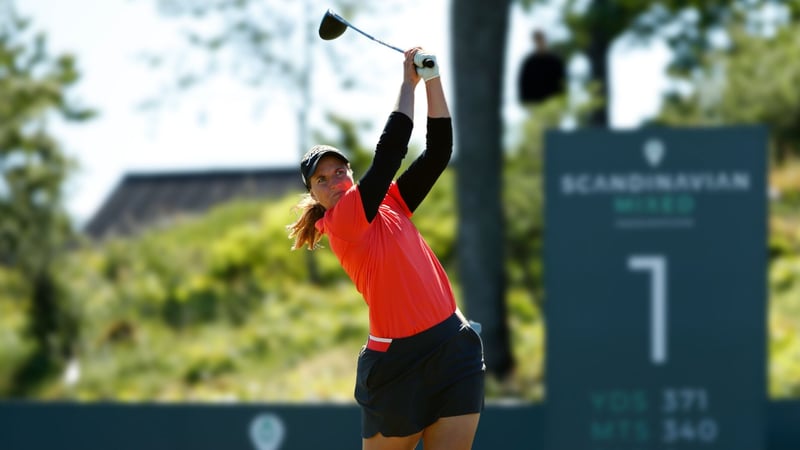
point(303, 231)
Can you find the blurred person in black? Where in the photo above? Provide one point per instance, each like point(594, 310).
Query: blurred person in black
point(543, 73)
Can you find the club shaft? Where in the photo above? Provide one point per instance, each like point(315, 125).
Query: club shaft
point(368, 35)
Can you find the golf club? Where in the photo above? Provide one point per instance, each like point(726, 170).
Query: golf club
point(333, 25)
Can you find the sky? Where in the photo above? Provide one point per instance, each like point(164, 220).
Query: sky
point(220, 126)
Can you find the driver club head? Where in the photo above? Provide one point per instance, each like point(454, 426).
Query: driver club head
point(331, 26)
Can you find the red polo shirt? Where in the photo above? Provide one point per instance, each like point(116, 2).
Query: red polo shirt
point(392, 266)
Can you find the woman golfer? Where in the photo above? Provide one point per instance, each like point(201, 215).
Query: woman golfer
point(421, 373)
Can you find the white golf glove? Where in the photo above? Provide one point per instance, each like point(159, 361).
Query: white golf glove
point(427, 73)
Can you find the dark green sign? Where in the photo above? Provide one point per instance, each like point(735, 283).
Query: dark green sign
point(655, 280)
point(244, 426)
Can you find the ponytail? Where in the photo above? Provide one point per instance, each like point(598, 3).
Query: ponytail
point(303, 231)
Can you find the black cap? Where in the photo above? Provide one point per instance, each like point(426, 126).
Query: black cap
point(312, 157)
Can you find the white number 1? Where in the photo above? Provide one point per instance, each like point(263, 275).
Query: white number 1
point(657, 266)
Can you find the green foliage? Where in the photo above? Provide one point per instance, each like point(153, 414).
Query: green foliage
point(784, 316)
point(753, 84)
point(204, 310)
point(526, 323)
point(687, 25)
point(209, 308)
point(15, 346)
point(436, 220)
point(784, 282)
point(691, 28)
point(33, 171)
point(785, 183)
point(218, 308)
point(523, 200)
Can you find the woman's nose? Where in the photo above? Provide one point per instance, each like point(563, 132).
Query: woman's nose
point(338, 181)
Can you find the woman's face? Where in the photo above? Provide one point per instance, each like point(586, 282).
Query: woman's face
point(330, 180)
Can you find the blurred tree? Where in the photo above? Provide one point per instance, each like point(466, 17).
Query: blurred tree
point(752, 83)
point(33, 170)
point(690, 27)
point(479, 35)
point(268, 44)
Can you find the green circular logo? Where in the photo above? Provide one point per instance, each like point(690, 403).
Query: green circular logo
point(267, 431)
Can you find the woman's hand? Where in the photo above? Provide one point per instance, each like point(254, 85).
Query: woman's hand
point(410, 74)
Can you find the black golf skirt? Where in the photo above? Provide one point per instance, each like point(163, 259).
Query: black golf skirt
point(405, 385)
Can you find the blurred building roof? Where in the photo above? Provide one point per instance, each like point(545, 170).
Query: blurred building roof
point(145, 199)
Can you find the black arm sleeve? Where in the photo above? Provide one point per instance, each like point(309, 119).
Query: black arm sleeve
point(419, 178)
point(389, 153)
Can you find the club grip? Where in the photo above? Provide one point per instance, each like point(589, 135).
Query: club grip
point(424, 60)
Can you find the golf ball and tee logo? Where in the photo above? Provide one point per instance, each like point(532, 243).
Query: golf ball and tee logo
point(267, 432)
point(655, 274)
